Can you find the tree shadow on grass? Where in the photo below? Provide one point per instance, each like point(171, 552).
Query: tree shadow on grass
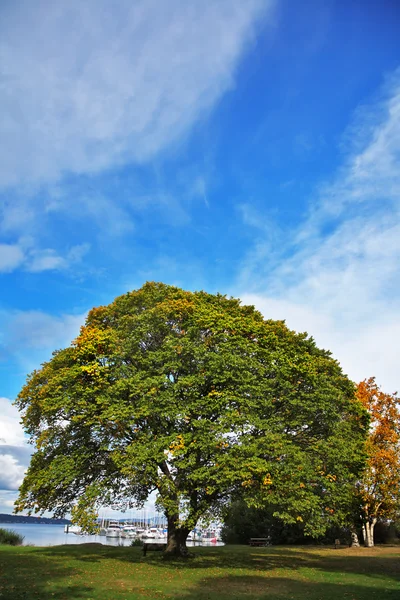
point(345, 560)
point(31, 576)
point(250, 587)
point(58, 573)
point(362, 562)
point(368, 566)
point(202, 558)
point(91, 552)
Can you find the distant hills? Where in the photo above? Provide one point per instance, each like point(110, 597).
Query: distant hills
point(21, 519)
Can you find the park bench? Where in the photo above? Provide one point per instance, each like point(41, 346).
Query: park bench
point(156, 546)
point(259, 542)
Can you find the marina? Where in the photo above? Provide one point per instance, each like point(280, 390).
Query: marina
point(54, 535)
point(153, 529)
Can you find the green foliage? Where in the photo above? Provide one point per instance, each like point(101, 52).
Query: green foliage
point(10, 538)
point(199, 398)
point(242, 522)
point(136, 542)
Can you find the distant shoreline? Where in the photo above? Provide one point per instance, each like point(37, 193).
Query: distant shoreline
point(10, 519)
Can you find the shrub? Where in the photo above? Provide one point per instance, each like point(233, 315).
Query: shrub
point(11, 538)
point(137, 542)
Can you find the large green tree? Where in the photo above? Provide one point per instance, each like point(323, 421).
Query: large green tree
point(196, 397)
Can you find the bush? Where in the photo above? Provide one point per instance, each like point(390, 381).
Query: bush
point(11, 538)
point(136, 542)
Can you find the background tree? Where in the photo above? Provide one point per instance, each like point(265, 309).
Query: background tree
point(195, 396)
point(242, 522)
point(379, 488)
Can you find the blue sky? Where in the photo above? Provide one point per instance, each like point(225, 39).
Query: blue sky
point(243, 146)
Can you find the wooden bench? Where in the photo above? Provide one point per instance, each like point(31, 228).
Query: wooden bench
point(259, 541)
point(157, 547)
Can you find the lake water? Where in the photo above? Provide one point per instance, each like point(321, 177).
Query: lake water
point(53, 535)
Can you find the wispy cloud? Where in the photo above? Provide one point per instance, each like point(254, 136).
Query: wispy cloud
point(48, 259)
point(24, 255)
point(90, 85)
point(29, 337)
point(11, 257)
point(338, 276)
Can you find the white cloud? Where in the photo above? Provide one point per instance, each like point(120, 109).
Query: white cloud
point(11, 472)
point(89, 85)
point(7, 499)
point(49, 260)
point(46, 260)
point(11, 257)
point(14, 453)
point(341, 282)
point(86, 87)
point(26, 257)
point(11, 432)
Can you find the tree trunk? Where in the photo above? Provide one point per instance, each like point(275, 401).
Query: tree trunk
point(364, 534)
point(354, 540)
point(177, 536)
point(368, 533)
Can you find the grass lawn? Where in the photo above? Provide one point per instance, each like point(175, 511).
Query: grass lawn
point(96, 572)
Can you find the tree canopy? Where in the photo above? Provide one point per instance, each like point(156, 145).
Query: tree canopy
point(378, 490)
point(199, 398)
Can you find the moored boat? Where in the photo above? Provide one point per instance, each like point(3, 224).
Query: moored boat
point(73, 529)
point(128, 531)
point(113, 529)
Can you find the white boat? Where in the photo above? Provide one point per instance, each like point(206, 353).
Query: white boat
point(153, 533)
point(112, 532)
point(73, 529)
point(113, 529)
point(140, 532)
point(128, 531)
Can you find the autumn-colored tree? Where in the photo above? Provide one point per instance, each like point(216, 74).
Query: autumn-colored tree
point(195, 396)
point(379, 488)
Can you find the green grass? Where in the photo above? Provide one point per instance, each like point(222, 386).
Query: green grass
point(91, 571)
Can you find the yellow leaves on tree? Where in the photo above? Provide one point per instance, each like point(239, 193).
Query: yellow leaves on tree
point(91, 349)
point(267, 480)
point(177, 444)
point(247, 483)
point(93, 341)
